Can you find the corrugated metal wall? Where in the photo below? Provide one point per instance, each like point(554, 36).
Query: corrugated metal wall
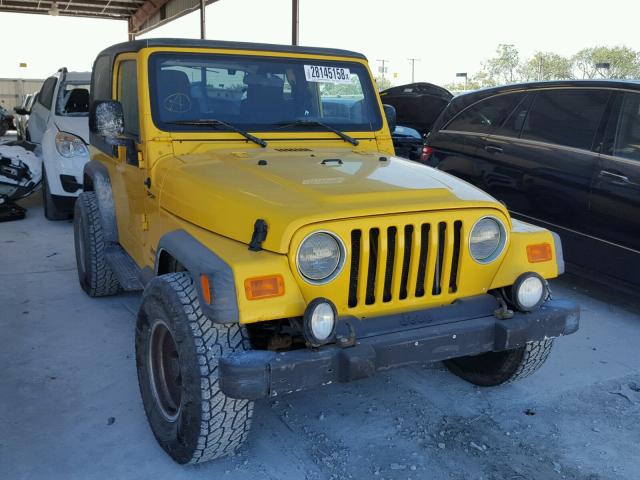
point(13, 90)
point(170, 11)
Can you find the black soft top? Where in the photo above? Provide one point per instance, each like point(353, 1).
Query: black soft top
point(136, 45)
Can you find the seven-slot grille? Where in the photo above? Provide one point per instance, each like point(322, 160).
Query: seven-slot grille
point(404, 261)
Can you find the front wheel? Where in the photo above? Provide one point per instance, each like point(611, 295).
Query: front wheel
point(495, 368)
point(177, 354)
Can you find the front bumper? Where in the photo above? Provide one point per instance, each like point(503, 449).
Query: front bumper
point(466, 327)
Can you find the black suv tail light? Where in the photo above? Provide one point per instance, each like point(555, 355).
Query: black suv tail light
point(425, 154)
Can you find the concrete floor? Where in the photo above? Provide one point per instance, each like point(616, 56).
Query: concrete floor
point(70, 406)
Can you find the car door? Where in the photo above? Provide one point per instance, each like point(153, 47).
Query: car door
point(615, 198)
point(41, 110)
point(127, 177)
point(544, 174)
point(456, 146)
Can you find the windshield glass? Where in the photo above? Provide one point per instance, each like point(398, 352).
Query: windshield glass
point(73, 99)
point(260, 93)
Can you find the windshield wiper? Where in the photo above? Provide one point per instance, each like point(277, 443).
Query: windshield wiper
point(312, 123)
point(220, 123)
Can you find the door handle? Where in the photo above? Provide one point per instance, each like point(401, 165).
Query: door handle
point(614, 176)
point(492, 149)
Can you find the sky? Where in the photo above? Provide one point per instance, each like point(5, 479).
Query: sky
point(448, 37)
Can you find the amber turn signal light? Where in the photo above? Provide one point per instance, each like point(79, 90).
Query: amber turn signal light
point(264, 287)
point(539, 252)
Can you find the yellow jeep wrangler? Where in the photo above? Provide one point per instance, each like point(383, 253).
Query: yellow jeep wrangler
point(251, 191)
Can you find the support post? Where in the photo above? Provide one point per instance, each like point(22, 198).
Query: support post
point(203, 26)
point(295, 15)
point(131, 32)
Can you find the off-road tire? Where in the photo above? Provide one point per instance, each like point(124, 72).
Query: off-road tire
point(94, 273)
point(51, 212)
point(496, 368)
point(207, 424)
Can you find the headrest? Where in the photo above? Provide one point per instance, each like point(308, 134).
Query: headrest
point(175, 80)
point(264, 80)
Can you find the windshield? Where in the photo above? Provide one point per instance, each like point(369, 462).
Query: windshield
point(73, 99)
point(261, 94)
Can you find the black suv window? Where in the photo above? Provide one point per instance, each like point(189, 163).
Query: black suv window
point(627, 141)
point(45, 97)
point(486, 114)
point(128, 96)
point(567, 117)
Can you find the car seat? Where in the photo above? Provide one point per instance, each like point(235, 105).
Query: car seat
point(265, 98)
point(176, 101)
point(78, 101)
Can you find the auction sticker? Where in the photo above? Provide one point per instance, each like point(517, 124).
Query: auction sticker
point(318, 73)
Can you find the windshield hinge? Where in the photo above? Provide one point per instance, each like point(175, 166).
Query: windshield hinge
point(259, 235)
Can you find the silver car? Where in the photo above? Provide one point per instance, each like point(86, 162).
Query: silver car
point(22, 116)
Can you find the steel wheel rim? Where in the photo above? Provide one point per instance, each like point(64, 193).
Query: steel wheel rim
point(164, 371)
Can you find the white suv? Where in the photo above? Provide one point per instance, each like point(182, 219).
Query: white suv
point(59, 126)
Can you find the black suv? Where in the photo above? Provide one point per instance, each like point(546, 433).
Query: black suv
point(417, 106)
point(564, 155)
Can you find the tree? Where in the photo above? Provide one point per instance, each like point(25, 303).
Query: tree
point(383, 83)
point(546, 66)
point(502, 68)
point(623, 62)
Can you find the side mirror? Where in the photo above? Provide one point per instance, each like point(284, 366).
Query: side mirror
point(21, 111)
point(106, 119)
point(390, 113)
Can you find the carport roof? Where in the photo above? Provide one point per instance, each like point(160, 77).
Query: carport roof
point(114, 9)
point(142, 15)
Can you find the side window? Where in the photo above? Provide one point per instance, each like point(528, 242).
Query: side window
point(627, 140)
point(45, 97)
point(566, 117)
point(101, 81)
point(128, 96)
point(486, 114)
point(512, 126)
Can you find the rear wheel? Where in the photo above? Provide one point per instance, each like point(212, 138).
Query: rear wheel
point(495, 368)
point(177, 353)
point(94, 273)
point(51, 211)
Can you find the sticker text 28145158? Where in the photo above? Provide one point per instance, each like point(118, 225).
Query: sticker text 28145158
point(319, 73)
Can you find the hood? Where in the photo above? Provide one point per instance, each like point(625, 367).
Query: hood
point(417, 105)
point(226, 192)
point(78, 126)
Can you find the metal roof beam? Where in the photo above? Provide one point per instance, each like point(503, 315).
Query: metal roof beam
point(65, 13)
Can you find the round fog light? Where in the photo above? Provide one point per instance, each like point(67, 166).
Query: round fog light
point(320, 322)
point(529, 292)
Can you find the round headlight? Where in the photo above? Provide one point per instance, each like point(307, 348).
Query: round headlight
point(320, 257)
point(320, 322)
point(487, 240)
point(529, 292)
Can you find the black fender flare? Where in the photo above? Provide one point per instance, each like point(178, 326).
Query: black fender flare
point(96, 178)
point(198, 260)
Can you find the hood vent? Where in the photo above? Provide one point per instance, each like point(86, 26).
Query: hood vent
point(300, 149)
